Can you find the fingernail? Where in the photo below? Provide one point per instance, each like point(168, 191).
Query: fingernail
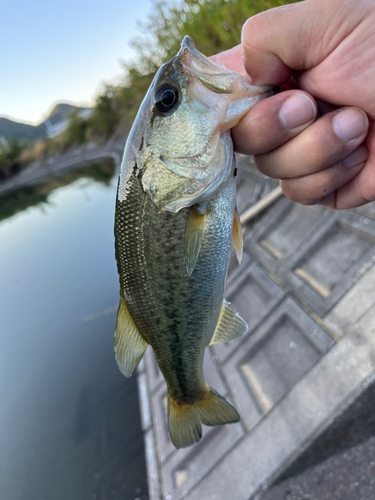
point(358, 156)
point(297, 111)
point(349, 124)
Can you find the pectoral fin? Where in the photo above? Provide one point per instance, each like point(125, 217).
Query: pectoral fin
point(194, 232)
point(237, 237)
point(129, 342)
point(230, 325)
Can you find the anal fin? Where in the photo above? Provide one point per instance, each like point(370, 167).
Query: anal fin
point(194, 232)
point(230, 325)
point(130, 345)
point(237, 236)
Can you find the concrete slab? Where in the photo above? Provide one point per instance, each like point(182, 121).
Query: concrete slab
point(367, 210)
point(354, 304)
point(331, 261)
point(282, 230)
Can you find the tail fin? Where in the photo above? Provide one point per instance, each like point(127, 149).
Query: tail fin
point(184, 420)
point(215, 410)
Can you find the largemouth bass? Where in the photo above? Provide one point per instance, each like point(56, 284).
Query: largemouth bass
point(174, 226)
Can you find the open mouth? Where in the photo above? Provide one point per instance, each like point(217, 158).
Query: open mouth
point(216, 78)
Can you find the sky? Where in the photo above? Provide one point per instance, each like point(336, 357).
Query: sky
point(62, 51)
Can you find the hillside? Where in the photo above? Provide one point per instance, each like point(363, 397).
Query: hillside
point(10, 128)
point(60, 112)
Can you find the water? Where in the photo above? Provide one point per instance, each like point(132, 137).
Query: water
point(69, 421)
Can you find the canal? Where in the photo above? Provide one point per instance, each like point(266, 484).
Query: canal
point(69, 421)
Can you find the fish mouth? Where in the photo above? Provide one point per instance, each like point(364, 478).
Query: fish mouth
point(188, 45)
point(214, 77)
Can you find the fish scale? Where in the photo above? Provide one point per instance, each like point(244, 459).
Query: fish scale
point(172, 311)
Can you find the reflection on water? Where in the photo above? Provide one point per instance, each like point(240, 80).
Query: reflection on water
point(29, 196)
point(69, 421)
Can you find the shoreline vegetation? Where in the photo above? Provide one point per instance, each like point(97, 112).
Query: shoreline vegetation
point(214, 25)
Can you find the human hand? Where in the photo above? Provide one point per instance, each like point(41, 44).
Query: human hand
point(320, 49)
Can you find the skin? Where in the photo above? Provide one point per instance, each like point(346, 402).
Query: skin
point(318, 134)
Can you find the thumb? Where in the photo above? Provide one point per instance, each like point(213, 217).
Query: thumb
point(295, 37)
point(231, 59)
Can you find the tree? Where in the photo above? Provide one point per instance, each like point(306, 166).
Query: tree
point(105, 115)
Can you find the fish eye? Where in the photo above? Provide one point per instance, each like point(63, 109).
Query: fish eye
point(166, 98)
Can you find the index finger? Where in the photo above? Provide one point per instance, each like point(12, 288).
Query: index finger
point(289, 37)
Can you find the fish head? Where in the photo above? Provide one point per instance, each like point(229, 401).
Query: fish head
point(180, 140)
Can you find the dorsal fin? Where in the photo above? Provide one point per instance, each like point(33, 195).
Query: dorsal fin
point(229, 326)
point(237, 237)
point(194, 232)
point(130, 345)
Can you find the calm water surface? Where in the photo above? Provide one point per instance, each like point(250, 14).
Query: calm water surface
point(69, 421)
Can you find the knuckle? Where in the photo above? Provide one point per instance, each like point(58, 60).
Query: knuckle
point(295, 190)
point(330, 201)
point(322, 182)
point(250, 32)
point(273, 164)
point(263, 165)
point(288, 188)
point(251, 134)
